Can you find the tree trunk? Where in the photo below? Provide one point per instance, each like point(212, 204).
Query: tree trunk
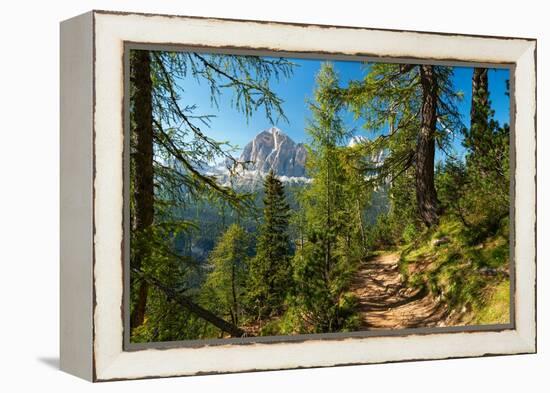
point(426, 196)
point(142, 120)
point(361, 225)
point(329, 229)
point(234, 294)
point(187, 303)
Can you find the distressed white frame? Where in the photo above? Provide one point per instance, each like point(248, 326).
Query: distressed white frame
point(102, 292)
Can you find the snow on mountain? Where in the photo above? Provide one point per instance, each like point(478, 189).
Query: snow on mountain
point(273, 150)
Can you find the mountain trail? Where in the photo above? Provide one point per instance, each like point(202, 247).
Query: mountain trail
point(385, 301)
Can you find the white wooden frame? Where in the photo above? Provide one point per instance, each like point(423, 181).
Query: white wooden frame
point(92, 97)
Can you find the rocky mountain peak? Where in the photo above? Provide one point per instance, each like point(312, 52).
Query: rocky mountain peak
point(273, 150)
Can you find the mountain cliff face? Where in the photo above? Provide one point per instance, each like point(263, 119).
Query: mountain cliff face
point(273, 150)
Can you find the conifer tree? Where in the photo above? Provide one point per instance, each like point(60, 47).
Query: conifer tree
point(487, 160)
point(323, 266)
point(413, 110)
point(224, 289)
point(485, 140)
point(270, 270)
point(168, 146)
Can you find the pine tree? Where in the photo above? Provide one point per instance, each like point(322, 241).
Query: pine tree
point(486, 140)
point(270, 270)
point(478, 138)
point(487, 160)
point(476, 191)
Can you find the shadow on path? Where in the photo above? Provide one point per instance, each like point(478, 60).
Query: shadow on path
point(385, 302)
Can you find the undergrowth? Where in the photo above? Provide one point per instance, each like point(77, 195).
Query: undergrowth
point(470, 274)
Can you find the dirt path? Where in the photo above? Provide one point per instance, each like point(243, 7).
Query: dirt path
point(386, 303)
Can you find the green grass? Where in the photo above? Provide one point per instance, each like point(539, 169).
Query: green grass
point(456, 271)
point(496, 308)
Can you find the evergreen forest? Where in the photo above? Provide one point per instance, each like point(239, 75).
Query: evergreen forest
point(394, 231)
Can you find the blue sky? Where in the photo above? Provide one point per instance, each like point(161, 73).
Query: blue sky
point(230, 125)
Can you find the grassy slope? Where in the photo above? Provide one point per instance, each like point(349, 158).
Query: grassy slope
point(473, 279)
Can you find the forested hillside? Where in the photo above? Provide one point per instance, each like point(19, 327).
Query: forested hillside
point(377, 234)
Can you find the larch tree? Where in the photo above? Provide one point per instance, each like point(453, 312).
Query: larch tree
point(323, 266)
point(168, 147)
point(426, 196)
point(359, 197)
point(412, 109)
point(224, 289)
point(143, 206)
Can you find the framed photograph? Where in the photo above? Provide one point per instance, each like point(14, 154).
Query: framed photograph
point(247, 195)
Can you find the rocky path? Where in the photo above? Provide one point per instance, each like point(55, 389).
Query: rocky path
point(386, 303)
